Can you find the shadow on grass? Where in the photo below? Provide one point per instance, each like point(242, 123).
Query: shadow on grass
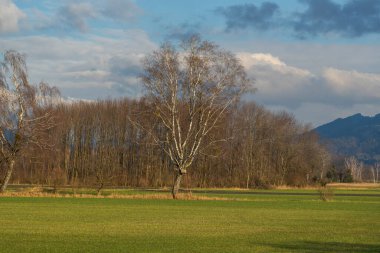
point(321, 247)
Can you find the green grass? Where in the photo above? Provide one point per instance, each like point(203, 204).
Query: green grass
point(261, 224)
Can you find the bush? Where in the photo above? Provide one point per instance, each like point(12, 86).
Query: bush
point(57, 178)
point(326, 193)
point(259, 183)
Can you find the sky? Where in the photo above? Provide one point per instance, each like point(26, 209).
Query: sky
point(317, 59)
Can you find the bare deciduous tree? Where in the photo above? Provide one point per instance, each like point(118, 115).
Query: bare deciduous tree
point(23, 120)
point(190, 87)
point(355, 167)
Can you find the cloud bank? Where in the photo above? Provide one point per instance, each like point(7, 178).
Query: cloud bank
point(75, 16)
point(249, 15)
point(98, 67)
point(354, 18)
point(92, 49)
point(67, 16)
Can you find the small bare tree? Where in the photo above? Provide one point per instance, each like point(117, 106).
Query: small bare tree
point(355, 167)
point(190, 88)
point(24, 118)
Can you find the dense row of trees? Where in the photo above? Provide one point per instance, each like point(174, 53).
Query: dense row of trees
point(350, 169)
point(100, 143)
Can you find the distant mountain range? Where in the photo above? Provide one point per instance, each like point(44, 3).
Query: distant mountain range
point(356, 135)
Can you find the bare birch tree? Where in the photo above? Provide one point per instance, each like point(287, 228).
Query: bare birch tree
point(190, 87)
point(22, 118)
point(355, 167)
point(375, 172)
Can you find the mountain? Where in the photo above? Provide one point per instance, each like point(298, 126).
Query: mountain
point(356, 135)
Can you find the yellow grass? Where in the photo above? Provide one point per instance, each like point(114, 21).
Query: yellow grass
point(354, 185)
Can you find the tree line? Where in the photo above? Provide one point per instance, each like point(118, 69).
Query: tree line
point(191, 121)
point(99, 144)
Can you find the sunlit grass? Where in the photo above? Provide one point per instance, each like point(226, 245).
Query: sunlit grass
point(261, 224)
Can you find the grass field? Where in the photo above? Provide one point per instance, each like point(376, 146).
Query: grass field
point(249, 223)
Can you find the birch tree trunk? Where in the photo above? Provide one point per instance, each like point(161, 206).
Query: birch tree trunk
point(177, 184)
point(8, 175)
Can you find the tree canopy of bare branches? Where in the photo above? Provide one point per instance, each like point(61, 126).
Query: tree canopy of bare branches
point(190, 87)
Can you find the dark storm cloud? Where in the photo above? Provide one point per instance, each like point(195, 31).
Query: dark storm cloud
point(353, 19)
point(249, 15)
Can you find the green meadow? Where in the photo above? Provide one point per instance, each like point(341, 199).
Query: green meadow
point(243, 223)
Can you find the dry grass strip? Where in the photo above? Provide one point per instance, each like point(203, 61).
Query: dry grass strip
point(33, 193)
point(354, 185)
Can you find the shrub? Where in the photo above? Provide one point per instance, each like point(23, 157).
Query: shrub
point(326, 193)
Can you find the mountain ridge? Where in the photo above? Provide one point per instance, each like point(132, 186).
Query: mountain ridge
point(356, 135)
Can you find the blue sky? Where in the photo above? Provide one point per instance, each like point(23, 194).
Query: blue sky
point(318, 59)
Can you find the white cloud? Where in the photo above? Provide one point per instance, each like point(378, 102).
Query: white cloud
point(363, 57)
point(10, 16)
point(249, 60)
point(358, 86)
point(276, 81)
